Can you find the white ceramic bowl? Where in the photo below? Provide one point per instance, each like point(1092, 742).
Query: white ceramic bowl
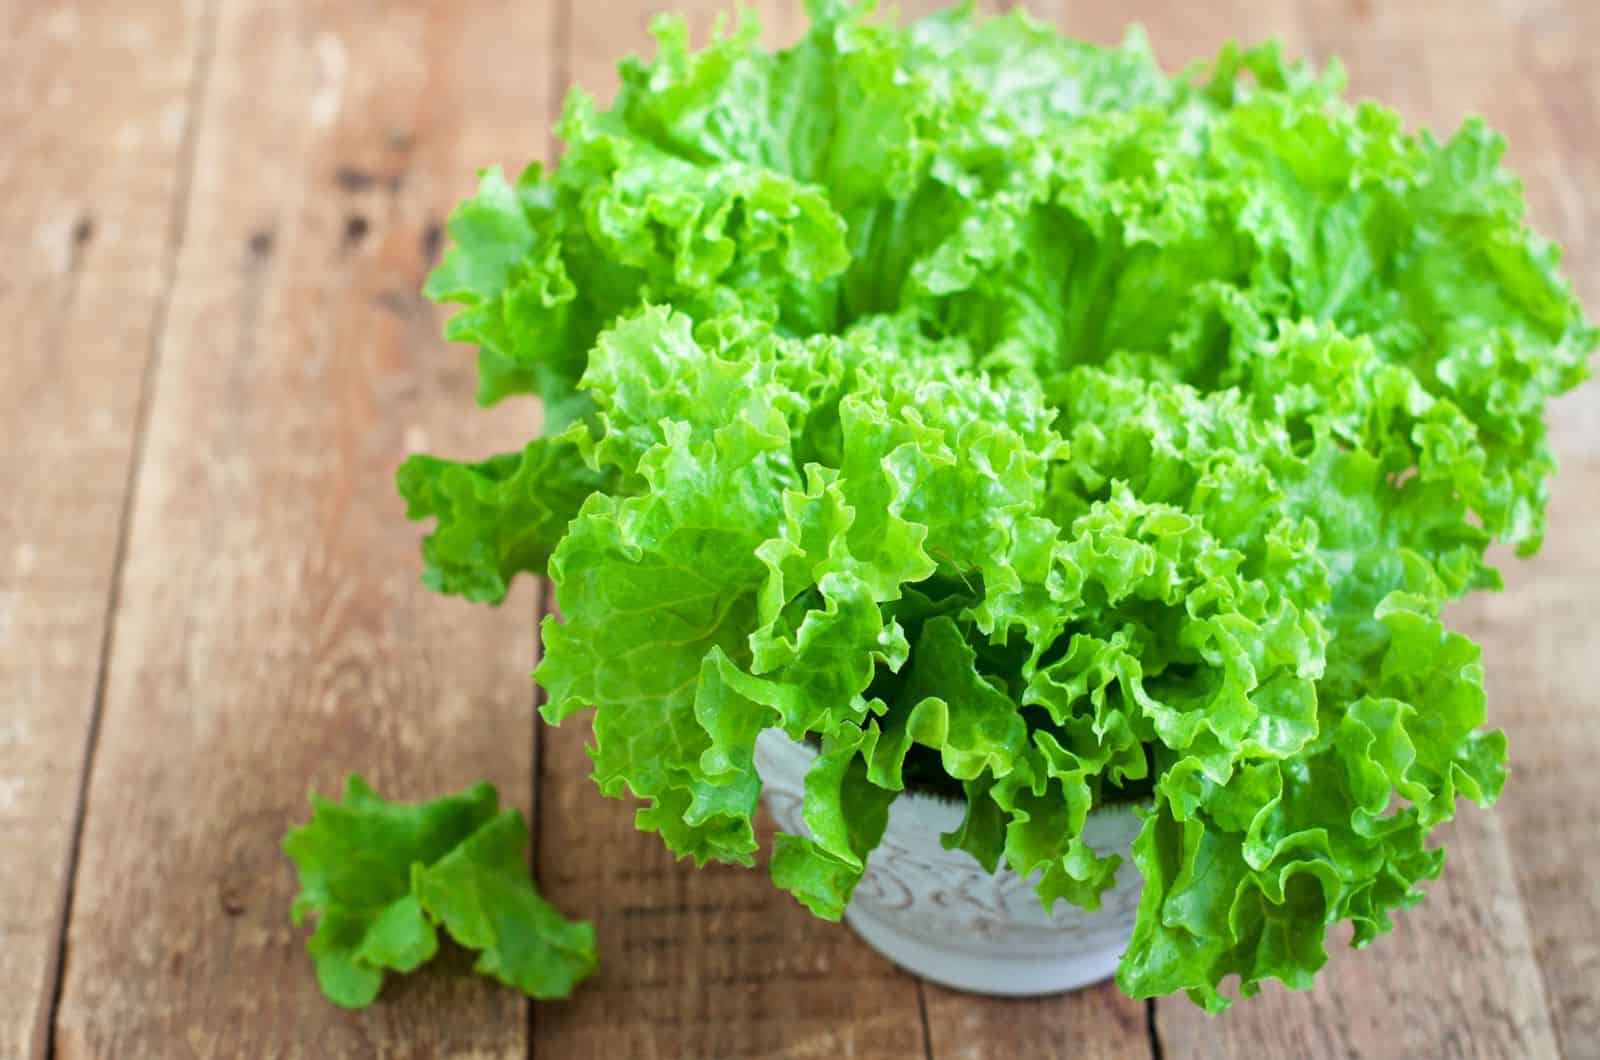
point(938, 914)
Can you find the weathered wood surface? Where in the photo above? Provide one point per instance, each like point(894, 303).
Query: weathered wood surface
point(271, 633)
point(92, 175)
point(243, 195)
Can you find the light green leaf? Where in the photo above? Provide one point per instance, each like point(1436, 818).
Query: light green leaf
point(378, 876)
point(355, 860)
point(483, 896)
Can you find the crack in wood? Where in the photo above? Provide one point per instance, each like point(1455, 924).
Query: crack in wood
point(44, 1044)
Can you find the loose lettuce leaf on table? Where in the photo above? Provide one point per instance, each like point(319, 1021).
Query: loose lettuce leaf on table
point(482, 894)
point(379, 877)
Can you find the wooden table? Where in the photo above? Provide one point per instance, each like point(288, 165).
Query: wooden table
point(215, 216)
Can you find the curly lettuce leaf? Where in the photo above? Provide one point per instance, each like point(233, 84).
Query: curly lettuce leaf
point(846, 814)
point(355, 860)
point(379, 877)
point(483, 896)
point(497, 518)
point(1012, 420)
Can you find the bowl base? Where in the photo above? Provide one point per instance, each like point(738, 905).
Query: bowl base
point(1010, 976)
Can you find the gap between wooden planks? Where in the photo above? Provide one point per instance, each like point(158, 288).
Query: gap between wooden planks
point(272, 633)
point(93, 168)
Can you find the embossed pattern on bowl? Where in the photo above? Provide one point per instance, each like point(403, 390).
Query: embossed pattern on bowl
point(940, 915)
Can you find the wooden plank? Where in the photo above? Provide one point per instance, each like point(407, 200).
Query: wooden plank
point(1179, 32)
point(1541, 641)
point(93, 118)
point(1539, 636)
point(1542, 635)
point(1458, 976)
point(273, 633)
point(709, 962)
point(1562, 169)
point(1096, 1023)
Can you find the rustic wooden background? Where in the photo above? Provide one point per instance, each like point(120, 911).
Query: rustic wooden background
point(215, 216)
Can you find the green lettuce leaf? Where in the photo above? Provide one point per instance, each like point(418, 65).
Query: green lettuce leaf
point(846, 814)
point(497, 518)
point(1017, 423)
point(481, 892)
point(380, 876)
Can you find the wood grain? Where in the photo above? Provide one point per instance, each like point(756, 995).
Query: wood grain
point(92, 124)
point(273, 634)
point(1180, 33)
point(1541, 636)
point(1541, 640)
point(1096, 1023)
